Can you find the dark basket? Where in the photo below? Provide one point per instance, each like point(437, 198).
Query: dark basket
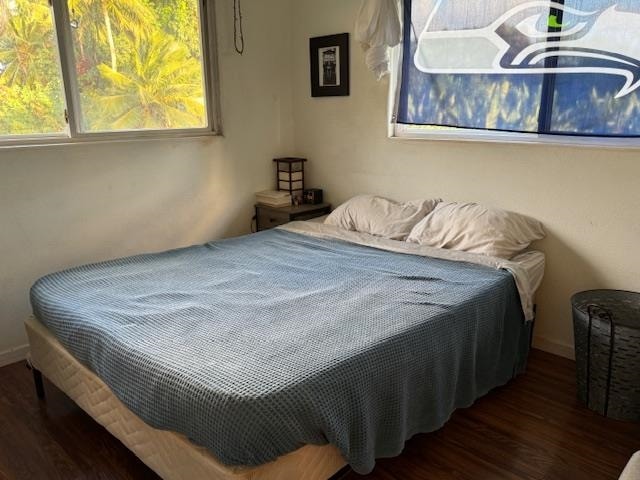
point(607, 339)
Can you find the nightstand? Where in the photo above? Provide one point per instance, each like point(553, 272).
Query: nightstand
point(270, 217)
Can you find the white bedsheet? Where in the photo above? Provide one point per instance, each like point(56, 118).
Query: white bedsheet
point(527, 268)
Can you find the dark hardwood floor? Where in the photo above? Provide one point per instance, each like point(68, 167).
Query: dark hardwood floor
point(532, 428)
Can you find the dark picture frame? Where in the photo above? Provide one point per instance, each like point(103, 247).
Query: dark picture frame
point(329, 62)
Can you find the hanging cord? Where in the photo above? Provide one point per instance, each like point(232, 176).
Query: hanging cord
point(238, 31)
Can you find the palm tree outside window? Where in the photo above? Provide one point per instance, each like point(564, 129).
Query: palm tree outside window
point(88, 68)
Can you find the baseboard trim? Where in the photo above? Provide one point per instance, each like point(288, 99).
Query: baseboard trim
point(551, 346)
point(14, 355)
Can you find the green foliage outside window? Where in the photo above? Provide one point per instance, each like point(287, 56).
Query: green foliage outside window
point(31, 99)
point(138, 66)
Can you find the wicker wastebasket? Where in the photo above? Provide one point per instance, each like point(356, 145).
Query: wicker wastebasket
point(607, 340)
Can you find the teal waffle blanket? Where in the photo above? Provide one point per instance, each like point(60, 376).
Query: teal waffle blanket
point(258, 345)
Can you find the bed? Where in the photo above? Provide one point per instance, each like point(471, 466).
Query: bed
point(284, 354)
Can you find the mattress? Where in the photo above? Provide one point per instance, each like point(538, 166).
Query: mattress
point(225, 342)
point(169, 454)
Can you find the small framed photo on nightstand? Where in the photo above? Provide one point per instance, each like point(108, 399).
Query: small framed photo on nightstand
point(329, 58)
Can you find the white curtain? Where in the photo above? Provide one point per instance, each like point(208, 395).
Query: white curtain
point(378, 27)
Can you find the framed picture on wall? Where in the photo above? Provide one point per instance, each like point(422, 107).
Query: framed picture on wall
point(329, 58)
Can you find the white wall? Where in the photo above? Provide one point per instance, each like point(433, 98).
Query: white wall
point(62, 206)
point(588, 199)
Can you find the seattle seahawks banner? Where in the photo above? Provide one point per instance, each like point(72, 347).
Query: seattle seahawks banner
point(569, 67)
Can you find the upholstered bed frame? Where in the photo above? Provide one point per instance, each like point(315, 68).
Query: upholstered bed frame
point(169, 454)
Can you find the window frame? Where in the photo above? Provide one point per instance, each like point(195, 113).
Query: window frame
point(419, 132)
point(70, 89)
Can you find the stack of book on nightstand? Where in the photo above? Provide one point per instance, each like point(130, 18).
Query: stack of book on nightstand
point(274, 198)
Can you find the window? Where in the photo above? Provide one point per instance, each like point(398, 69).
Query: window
point(521, 68)
point(31, 91)
point(93, 69)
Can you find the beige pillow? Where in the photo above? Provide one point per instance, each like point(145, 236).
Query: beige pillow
point(380, 216)
point(474, 228)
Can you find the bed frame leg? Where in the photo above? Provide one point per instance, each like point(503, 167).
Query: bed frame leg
point(37, 380)
point(533, 325)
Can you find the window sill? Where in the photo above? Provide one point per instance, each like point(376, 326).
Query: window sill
point(402, 132)
point(105, 138)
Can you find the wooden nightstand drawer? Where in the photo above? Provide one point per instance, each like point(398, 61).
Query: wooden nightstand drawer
point(270, 217)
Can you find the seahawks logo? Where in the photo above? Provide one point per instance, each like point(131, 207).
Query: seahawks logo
point(538, 37)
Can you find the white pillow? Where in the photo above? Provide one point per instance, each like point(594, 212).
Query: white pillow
point(380, 216)
point(474, 228)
